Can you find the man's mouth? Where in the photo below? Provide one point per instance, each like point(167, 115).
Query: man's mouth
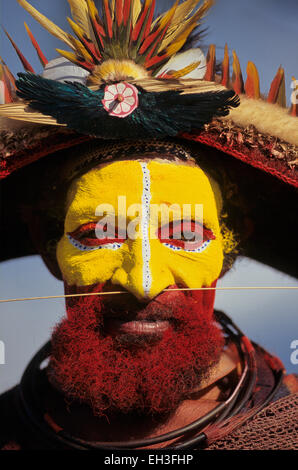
point(114, 326)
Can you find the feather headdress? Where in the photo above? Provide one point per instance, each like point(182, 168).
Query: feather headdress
point(122, 52)
point(125, 75)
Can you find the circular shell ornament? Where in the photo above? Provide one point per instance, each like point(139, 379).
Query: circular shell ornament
point(120, 99)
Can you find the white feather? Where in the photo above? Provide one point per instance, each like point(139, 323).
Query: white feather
point(182, 60)
point(62, 69)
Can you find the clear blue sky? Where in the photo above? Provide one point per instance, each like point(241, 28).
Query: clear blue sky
point(263, 31)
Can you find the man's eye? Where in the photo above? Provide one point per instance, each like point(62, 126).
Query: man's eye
point(88, 234)
point(93, 236)
point(186, 235)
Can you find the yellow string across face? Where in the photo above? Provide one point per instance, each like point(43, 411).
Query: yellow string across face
point(145, 264)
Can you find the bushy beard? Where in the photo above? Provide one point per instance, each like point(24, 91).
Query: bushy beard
point(146, 374)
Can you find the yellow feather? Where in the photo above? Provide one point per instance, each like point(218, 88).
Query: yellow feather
point(168, 16)
point(112, 8)
point(180, 41)
point(185, 86)
point(80, 14)
point(182, 12)
point(179, 25)
point(117, 70)
point(68, 55)
point(137, 6)
point(46, 23)
point(18, 111)
point(93, 12)
point(81, 51)
point(76, 28)
point(186, 70)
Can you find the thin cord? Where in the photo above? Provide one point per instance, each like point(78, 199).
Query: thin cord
point(51, 297)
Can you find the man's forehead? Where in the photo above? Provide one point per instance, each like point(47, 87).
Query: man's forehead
point(113, 175)
point(169, 181)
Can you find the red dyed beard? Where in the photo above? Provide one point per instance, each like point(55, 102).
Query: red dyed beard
point(124, 373)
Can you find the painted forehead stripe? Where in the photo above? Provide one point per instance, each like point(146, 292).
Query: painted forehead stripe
point(146, 251)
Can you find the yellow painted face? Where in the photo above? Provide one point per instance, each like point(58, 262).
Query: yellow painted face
point(145, 262)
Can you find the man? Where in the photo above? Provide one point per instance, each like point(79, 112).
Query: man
point(119, 224)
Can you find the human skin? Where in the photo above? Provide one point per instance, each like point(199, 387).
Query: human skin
point(170, 183)
point(168, 337)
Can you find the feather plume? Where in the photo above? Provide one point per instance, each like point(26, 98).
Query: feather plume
point(18, 111)
point(9, 74)
point(182, 20)
point(82, 52)
point(87, 43)
point(24, 61)
point(125, 31)
point(137, 7)
point(165, 113)
point(40, 54)
point(185, 71)
point(96, 25)
point(80, 14)
point(185, 86)
point(158, 33)
point(277, 93)
point(252, 85)
point(183, 60)
point(237, 79)
point(46, 23)
point(6, 89)
point(73, 58)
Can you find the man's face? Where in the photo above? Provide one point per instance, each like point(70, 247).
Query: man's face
point(147, 348)
point(146, 265)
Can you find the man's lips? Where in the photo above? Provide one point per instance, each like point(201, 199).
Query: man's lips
point(115, 326)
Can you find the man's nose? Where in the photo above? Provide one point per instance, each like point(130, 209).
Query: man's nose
point(143, 272)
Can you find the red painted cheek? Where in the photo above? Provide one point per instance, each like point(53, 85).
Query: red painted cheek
point(93, 367)
point(200, 302)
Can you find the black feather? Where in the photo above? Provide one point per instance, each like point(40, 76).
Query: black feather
point(159, 114)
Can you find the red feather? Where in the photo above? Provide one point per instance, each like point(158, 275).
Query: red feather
point(108, 17)
point(126, 11)
point(93, 51)
point(85, 65)
point(7, 85)
point(157, 36)
point(155, 60)
point(42, 58)
point(97, 28)
point(142, 20)
point(10, 76)
point(24, 61)
point(119, 12)
point(87, 43)
point(149, 21)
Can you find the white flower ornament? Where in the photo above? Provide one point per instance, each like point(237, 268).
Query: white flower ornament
point(120, 99)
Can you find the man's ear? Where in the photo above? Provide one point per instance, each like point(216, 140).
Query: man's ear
point(244, 232)
point(39, 232)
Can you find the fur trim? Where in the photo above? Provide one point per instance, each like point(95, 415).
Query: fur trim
point(266, 152)
point(267, 118)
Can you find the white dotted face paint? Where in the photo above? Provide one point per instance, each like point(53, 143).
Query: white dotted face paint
point(81, 247)
point(203, 247)
point(146, 251)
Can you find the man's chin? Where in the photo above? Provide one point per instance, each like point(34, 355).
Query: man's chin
point(145, 365)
